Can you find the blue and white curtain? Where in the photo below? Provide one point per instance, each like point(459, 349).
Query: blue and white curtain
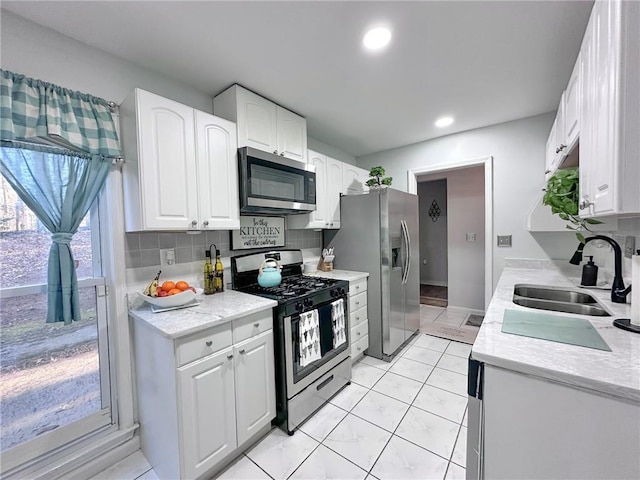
point(57, 184)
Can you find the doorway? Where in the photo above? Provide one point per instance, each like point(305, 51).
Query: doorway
point(432, 197)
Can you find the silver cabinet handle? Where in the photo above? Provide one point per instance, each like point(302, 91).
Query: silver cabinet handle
point(209, 343)
point(331, 224)
point(357, 287)
point(547, 171)
point(584, 204)
point(562, 147)
point(242, 351)
point(282, 154)
point(357, 318)
point(359, 348)
point(357, 303)
point(358, 333)
point(275, 151)
point(194, 223)
point(205, 223)
point(256, 325)
point(229, 357)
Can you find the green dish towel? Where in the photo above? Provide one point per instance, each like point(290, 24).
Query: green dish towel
point(574, 331)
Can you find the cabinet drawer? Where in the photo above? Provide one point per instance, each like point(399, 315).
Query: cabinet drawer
point(356, 317)
point(359, 347)
point(201, 344)
point(252, 325)
point(357, 286)
point(357, 301)
point(359, 332)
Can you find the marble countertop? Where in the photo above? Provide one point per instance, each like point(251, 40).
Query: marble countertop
point(615, 373)
point(213, 310)
point(348, 275)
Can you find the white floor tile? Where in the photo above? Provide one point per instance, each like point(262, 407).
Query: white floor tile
point(150, 475)
point(455, 472)
point(411, 369)
point(323, 421)
point(432, 343)
point(460, 451)
point(429, 431)
point(454, 364)
point(130, 467)
point(450, 381)
point(365, 375)
point(383, 411)
point(464, 420)
point(349, 396)
point(358, 440)
point(398, 387)
point(279, 454)
point(324, 464)
point(402, 460)
point(459, 349)
point(375, 362)
point(442, 403)
point(451, 318)
point(371, 477)
point(419, 354)
point(243, 469)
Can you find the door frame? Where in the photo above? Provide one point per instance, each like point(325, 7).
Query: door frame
point(487, 163)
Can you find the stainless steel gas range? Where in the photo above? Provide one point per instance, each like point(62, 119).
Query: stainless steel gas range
point(303, 384)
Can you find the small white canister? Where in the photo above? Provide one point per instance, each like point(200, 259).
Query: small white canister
point(310, 267)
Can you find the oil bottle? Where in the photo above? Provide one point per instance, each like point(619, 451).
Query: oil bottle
point(209, 274)
point(218, 279)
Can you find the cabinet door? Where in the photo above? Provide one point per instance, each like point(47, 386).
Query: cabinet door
point(255, 384)
point(319, 219)
point(572, 107)
point(257, 126)
point(207, 412)
point(168, 185)
point(292, 135)
point(217, 172)
point(353, 179)
point(587, 99)
point(550, 152)
point(333, 188)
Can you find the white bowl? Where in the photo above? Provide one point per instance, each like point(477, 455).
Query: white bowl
point(176, 300)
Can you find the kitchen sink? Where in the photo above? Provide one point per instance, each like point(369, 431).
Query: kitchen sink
point(557, 300)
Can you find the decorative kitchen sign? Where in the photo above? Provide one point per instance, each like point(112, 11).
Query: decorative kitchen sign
point(258, 232)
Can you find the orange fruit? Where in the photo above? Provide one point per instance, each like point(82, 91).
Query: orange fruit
point(174, 291)
point(182, 285)
point(168, 285)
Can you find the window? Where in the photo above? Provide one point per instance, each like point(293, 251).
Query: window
point(54, 379)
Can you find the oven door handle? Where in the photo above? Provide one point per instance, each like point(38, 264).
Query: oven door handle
point(324, 383)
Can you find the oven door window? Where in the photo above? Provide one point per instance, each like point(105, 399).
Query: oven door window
point(279, 182)
point(326, 343)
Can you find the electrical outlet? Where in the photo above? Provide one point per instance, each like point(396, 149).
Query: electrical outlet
point(629, 245)
point(167, 256)
point(504, 240)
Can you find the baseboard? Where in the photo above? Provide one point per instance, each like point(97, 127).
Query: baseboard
point(435, 283)
point(470, 311)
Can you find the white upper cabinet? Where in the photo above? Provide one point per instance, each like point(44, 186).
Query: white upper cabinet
point(262, 124)
point(180, 166)
point(609, 117)
point(572, 107)
point(354, 179)
point(328, 188)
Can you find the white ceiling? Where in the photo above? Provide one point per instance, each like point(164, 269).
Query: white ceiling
point(481, 62)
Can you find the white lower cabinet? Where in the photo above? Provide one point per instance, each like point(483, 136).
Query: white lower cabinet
point(358, 318)
point(255, 387)
point(203, 396)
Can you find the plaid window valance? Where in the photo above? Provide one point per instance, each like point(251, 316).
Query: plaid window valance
point(38, 112)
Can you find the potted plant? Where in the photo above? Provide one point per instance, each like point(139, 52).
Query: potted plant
point(376, 180)
point(561, 195)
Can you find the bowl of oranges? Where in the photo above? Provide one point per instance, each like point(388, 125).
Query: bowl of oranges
point(170, 294)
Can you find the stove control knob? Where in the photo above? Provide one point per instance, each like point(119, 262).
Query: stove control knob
point(334, 293)
point(308, 302)
point(299, 307)
point(342, 291)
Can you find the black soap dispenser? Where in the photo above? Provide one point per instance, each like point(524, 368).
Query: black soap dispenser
point(589, 273)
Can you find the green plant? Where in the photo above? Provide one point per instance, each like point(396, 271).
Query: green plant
point(561, 195)
point(376, 174)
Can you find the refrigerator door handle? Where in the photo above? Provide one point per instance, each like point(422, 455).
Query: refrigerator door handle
point(406, 253)
point(406, 229)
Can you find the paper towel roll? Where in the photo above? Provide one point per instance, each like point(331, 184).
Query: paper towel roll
point(635, 290)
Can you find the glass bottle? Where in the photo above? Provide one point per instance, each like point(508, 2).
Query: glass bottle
point(218, 280)
point(209, 274)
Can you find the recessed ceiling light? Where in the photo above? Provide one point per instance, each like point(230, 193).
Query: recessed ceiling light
point(444, 122)
point(377, 38)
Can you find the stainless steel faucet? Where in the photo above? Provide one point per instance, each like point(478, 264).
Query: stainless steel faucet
point(618, 292)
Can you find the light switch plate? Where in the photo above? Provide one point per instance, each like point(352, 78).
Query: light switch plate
point(504, 240)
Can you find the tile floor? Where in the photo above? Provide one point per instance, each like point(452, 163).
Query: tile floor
point(400, 420)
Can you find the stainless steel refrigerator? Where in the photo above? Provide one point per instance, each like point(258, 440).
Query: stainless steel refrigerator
point(379, 235)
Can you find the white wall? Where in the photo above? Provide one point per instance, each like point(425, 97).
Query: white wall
point(518, 151)
point(39, 52)
point(433, 235)
point(465, 260)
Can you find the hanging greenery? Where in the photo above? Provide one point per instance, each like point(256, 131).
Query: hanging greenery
point(376, 180)
point(562, 195)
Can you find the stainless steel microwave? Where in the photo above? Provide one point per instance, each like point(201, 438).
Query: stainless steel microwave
point(272, 184)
